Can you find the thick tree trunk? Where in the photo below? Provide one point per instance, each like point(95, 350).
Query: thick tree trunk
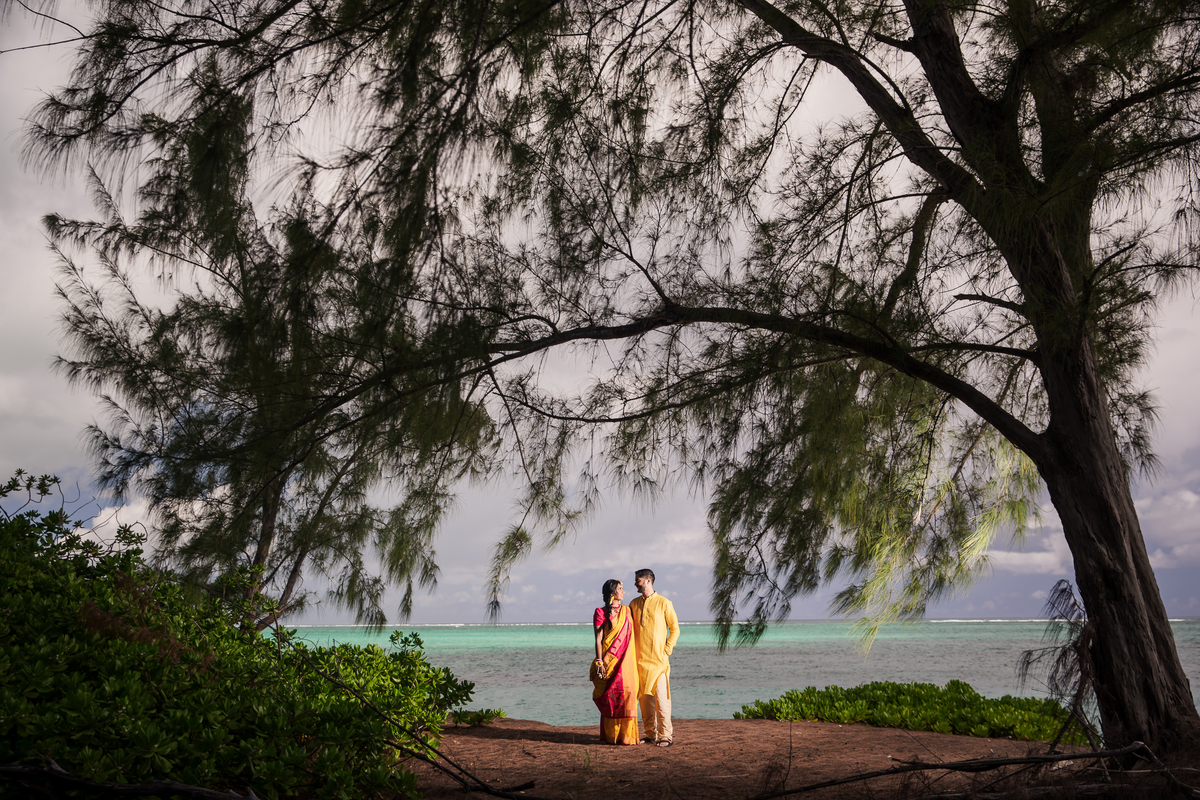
point(1142, 691)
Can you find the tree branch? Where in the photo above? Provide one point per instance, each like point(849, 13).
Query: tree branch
point(1016, 308)
point(899, 120)
point(49, 18)
point(970, 765)
point(892, 355)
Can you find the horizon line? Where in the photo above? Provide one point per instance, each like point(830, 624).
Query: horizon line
point(398, 625)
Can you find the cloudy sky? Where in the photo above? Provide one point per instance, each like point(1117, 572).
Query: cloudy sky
point(41, 419)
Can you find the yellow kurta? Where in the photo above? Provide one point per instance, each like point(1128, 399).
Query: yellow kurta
point(656, 630)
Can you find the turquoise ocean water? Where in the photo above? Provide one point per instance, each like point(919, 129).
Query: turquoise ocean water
point(539, 672)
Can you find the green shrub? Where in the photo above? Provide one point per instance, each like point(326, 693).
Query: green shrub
point(109, 670)
point(475, 719)
point(956, 709)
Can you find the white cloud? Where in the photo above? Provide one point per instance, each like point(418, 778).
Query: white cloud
point(621, 539)
point(1043, 551)
point(1050, 561)
point(136, 514)
point(1170, 524)
point(40, 418)
point(1187, 555)
point(1174, 379)
point(102, 526)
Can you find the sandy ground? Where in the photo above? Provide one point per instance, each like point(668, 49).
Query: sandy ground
point(712, 758)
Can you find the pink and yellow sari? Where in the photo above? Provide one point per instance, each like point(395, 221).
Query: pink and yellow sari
point(616, 690)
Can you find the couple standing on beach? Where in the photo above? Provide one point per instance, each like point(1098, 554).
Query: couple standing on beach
point(631, 667)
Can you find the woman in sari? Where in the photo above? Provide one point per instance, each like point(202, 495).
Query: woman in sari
point(614, 672)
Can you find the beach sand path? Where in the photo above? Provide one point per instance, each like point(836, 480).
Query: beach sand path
point(710, 758)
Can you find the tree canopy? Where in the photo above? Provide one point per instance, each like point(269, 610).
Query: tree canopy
point(218, 403)
point(870, 274)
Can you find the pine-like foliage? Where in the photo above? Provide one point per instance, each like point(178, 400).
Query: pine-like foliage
point(869, 274)
point(227, 406)
point(1064, 664)
point(829, 326)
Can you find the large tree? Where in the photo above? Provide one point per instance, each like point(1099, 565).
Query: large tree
point(859, 334)
point(877, 267)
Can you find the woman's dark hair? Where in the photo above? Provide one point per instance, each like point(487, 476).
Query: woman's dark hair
point(609, 588)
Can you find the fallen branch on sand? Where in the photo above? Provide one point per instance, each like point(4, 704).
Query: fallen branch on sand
point(986, 764)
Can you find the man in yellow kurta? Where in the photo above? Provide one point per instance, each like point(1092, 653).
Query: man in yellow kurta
point(656, 630)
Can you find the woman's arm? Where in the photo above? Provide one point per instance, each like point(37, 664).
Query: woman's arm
point(599, 643)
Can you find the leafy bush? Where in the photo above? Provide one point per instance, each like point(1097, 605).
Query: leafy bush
point(107, 668)
point(956, 709)
point(475, 719)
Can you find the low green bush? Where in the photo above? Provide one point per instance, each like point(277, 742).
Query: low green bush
point(955, 708)
point(107, 668)
point(475, 719)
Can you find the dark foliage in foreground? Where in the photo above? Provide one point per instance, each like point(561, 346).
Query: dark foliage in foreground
point(107, 668)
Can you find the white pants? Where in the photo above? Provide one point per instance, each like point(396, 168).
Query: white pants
point(656, 712)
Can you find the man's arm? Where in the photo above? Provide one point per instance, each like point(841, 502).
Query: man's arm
point(672, 626)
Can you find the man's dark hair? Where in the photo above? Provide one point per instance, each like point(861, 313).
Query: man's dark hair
point(645, 573)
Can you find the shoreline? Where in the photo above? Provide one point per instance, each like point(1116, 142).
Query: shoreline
point(420, 625)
